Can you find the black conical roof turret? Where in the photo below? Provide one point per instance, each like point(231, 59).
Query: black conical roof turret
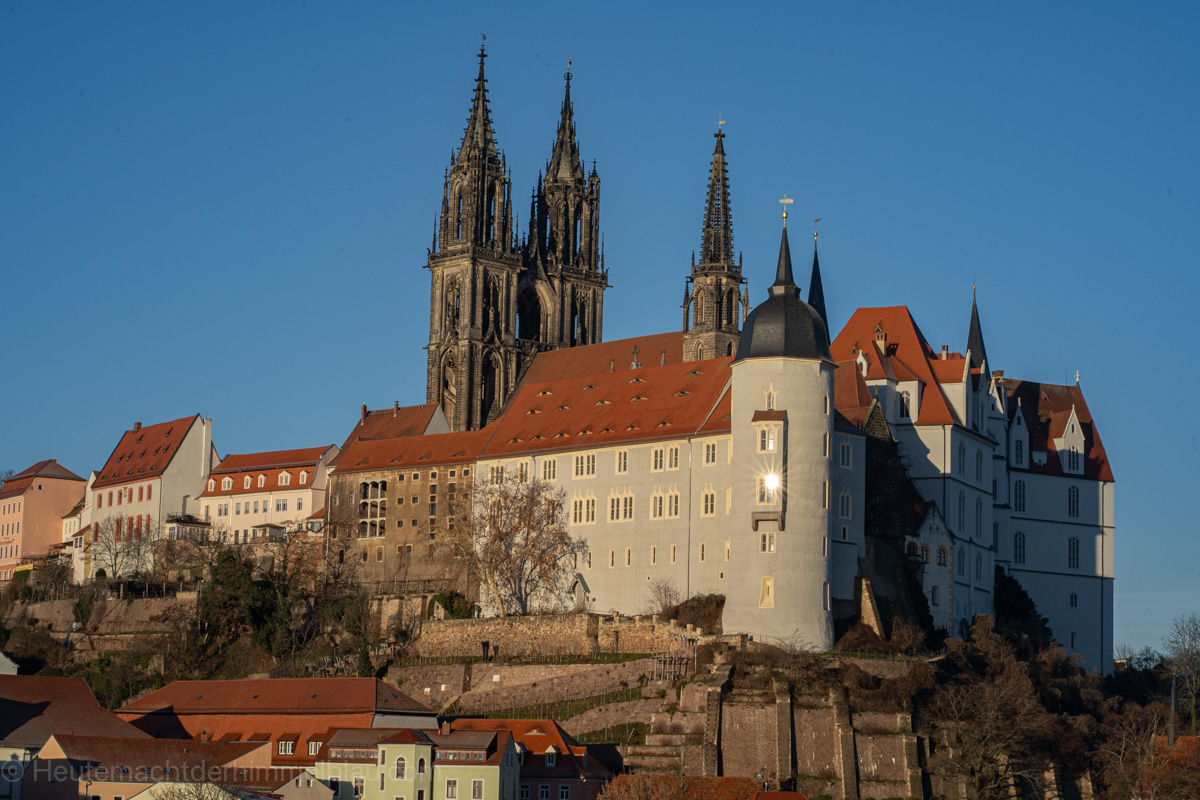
point(975, 337)
point(816, 292)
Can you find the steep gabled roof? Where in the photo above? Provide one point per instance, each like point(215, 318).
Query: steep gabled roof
point(535, 736)
point(1045, 407)
point(609, 408)
point(34, 707)
point(906, 345)
point(389, 423)
point(144, 452)
point(593, 359)
point(413, 451)
point(48, 469)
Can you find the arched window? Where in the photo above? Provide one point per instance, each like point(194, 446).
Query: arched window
point(1073, 553)
point(246, 482)
point(420, 766)
point(962, 561)
point(934, 594)
point(303, 477)
point(979, 566)
point(262, 481)
point(979, 465)
point(978, 518)
point(925, 553)
point(1019, 496)
point(1074, 600)
point(962, 512)
point(1019, 452)
point(1073, 502)
point(226, 484)
point(401, 768)
point(770, 401)
point(941, 556)
point(962, 459)
point(1018, 548)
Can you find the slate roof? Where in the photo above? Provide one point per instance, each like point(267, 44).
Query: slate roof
point(34, 707)
point(1045, 408)
point(144, 453)
point(783, 325)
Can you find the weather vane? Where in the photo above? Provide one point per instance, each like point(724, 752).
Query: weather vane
point(786, 202)
point(815, 221)
point(568, 73)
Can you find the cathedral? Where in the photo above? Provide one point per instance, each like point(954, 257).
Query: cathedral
point(750, 453)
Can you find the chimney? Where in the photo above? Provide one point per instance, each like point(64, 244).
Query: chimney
point(395, 407)
point(945, 351)
point(662, 362)
point(363, 420)
point(612, 365)
point(137, 426)
point(445, 727)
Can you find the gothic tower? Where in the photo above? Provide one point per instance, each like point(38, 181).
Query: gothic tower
point(475, 267)
point(714, 302)
point(561, 298)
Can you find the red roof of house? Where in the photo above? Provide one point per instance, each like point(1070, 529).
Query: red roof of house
point(276, 696)
point(1045, 407)
point(270, 465)
point(536, 736)
point(412, 451)
point(389, 423)
point(46, 469)
point(659, 402)
point(34, 707)
point(593, 359)
point(905, 355)
point(122, 759)
point(144, 452)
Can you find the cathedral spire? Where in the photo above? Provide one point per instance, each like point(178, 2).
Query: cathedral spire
point(478, 137)
point(816, 293)
point(716, 246)
point(564, 160)
point(975, 337)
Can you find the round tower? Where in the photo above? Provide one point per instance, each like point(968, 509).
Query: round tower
point(781, 426)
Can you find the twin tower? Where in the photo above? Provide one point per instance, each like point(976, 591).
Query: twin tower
point(496, 301)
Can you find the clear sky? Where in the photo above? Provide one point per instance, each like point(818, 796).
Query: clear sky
point(224, 208)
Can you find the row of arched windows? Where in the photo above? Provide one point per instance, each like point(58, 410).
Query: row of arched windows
point(1072, 550)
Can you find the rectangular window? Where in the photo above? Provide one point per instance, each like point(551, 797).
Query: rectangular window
point(766, 440)
point(314, 748)
point(701, 552)
point(359, 786)
point(576, 512)
point(612, 558)
point(286, 748)
point(524, 791)
point(656, 463)
point(629, 556)
point(673, 505)
point(628, 508)
point(590, 510)
point(766, 543)
point(847, 455)
point(476, 790)
point(672, 554)
point(710, 453)
point(622, 462)
point(299, 503)
point(614, 509)
point(708, 504)
point(591, 464)
point(451, 789)
point(549, 469)
point(728, 547)
point(653, 555)
point(844, 505)
point(766, 493)
point(824, 494)
point(656, 506)
point(564, 791)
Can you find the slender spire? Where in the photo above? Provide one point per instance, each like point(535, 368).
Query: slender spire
point(975, 337)
point(478, 137)
point(816, 294)
point(784, 285)
point(717, 244)
point(564, 161)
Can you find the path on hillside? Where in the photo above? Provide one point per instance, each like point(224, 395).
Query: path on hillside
point(611, 715)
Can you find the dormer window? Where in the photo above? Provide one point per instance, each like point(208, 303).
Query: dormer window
point(551, 757)
point(226, 484)
point(285, 478)
point(246, 482)
point(262, 481)
point(902, 405)
point(770, 401)
point(212, 485)
point(303, 477)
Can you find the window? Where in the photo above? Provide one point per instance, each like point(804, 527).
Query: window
point(766, 489)
point(979, 465)
point(226, 484)
point(962, 562)
point(359, 785)
point(1073, 553)
point(710, 452)
point(962, 459)
point(1019, 496)
point(522, 473)
point(262, 481)
point(549, 469)
point(420, 766)
point(766, 440)
point(701, 551)
point(543, 792)
point(286, 748)
point(590, 510)
point(335, 784)
point(585, 465)
point(978, 566)
point(708, 504)
point(653, 555)
point(1018, 548)
point(766, 543)
point(770, 401)
point(902, 405)
point(314, 747)
point(844, 505)
point(825, 445)
point(673, 504)
point(524, 791)
point(299, 503)
point(766, 593)
point(612, 558)
point(381, 780)
point(476, 789)
point(1073, 502)
point(1073, 459)
point(627, 507)
point(962, 512)
point(978, 518)
point(1074, 600)
point(451, 788)
point(577, 511)
point(1019, 452)
point(923, 551)
point(672, 554)
point(934, 596)
point(657, 459)
point(656, 506)
point(942, 556)
point(303, 477)
point(285, 479)
point(551, 758)
point(847, 455)
point(629, 556)
point(672, 458)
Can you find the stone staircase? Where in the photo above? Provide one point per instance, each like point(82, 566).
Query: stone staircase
point(685, 740)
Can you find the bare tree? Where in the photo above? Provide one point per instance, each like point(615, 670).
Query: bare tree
point(1181, 649)
point(663, 595)
point(5, 474)
point(511, 535)
point(1137, 761)
point(118, 548)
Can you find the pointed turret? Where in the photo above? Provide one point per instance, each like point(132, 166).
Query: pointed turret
point(785, 284)
point(478, 136)
point(716, 247)
point(816, 294)
point(565, 164)
point(975, 337)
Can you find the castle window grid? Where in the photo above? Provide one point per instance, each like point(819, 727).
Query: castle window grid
point(1019, 496)
point(585, 465)
point(1073, 553)
point(1073, 502)
point(844, 505)
point(1019, 548)
point(657, 459)
point(708, 504)
point(622, 462)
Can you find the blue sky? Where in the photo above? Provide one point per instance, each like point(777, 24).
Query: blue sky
point(223, 208)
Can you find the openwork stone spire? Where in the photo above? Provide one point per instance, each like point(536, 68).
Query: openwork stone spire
point(478, 138)
point(716, 247)
point(564, 160)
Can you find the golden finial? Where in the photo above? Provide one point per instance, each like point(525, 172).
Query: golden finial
point(815, 221)
point(786, 202)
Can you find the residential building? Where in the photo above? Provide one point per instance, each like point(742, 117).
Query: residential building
point(552, 764)
point(294, 714)
point(32, 504)
point(154, 471)
point(249, 495)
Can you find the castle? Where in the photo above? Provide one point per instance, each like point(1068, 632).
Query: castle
point(735, 455)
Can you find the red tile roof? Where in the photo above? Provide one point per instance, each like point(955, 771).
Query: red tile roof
point(241, 462)
point(536, 736)
point(46, 469)
point(593, 359)
point(906, 355)
point(114, 758)
point(413, 451)
point(389, 423)
point(144, 452)
point(608, 408)
point(270, 465)
point(1045, 408)
point(33, 707)
point(276, 696)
